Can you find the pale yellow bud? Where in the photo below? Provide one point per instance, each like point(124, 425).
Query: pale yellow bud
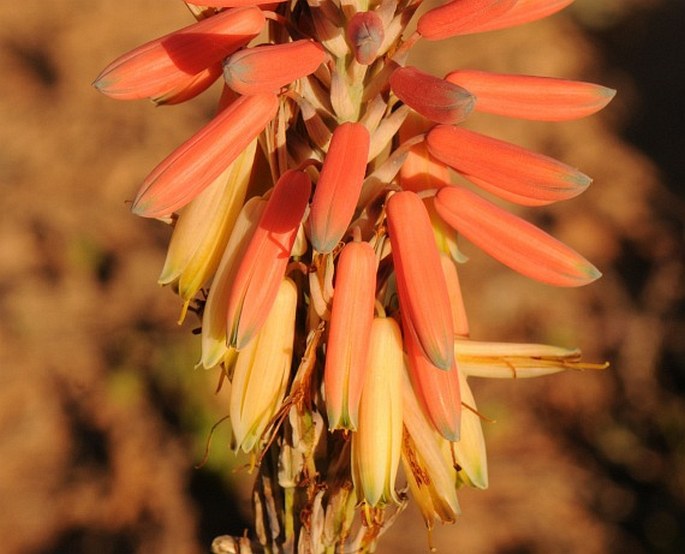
point(262, 371)
point(376, 446)
point(203, 228)
point(427, 463)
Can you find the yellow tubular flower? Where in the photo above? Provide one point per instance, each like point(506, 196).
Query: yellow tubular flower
point(376, 446)
point(203, 228)
point(430, 473)
point(262, 370)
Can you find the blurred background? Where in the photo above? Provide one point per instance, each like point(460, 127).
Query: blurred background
point(102, 416)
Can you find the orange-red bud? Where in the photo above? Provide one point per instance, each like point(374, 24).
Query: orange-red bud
point(349, 331)
point(365, 34)
point(434, 98)
point(190, 168)
point(266, 257)
point(339, 185)
point(170, 65)
point(270, 67)
point(513, 241)
point(437, 390)
point(523, 11)
point(460, 17)
point(424, 298)
point(507, 170)
point(529, 97)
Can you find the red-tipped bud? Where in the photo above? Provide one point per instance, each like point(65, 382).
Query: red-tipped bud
point(528, 97)
point(424, 298)
point(191, 168)
point(513, 241)
point(365, 34)
point(430, 96)
point(523, 11)
point(266, 257)
point(348, 336)
point(270, 67)
point(339, 185)
point(460, 17)
point(169, 65)
point(437, 390)
point(507, 170)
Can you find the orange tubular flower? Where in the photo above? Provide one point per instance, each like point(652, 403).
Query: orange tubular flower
point(170, 65)
point(424, 298)
point(523, 11)
point(507, 170)
point(263, 265)
point(191, 168)
point(460, 17)
point(376, 447)
point(437, 390)
point(434, 98)
point(529, 97)
point(270, 67)
point(348, 336)
point(365, 34)
point(339, 185)
point(513, 241)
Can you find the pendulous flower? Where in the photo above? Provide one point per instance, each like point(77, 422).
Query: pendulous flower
point(348, 335)
point(262, 370)
point(192, 167)
point(265, 258)
point(376, 445)
point(424, 298)
point(337, 190)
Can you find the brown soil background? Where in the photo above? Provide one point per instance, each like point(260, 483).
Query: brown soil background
point(102, 416)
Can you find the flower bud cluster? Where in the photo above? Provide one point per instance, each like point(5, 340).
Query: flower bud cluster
point(317, 213)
